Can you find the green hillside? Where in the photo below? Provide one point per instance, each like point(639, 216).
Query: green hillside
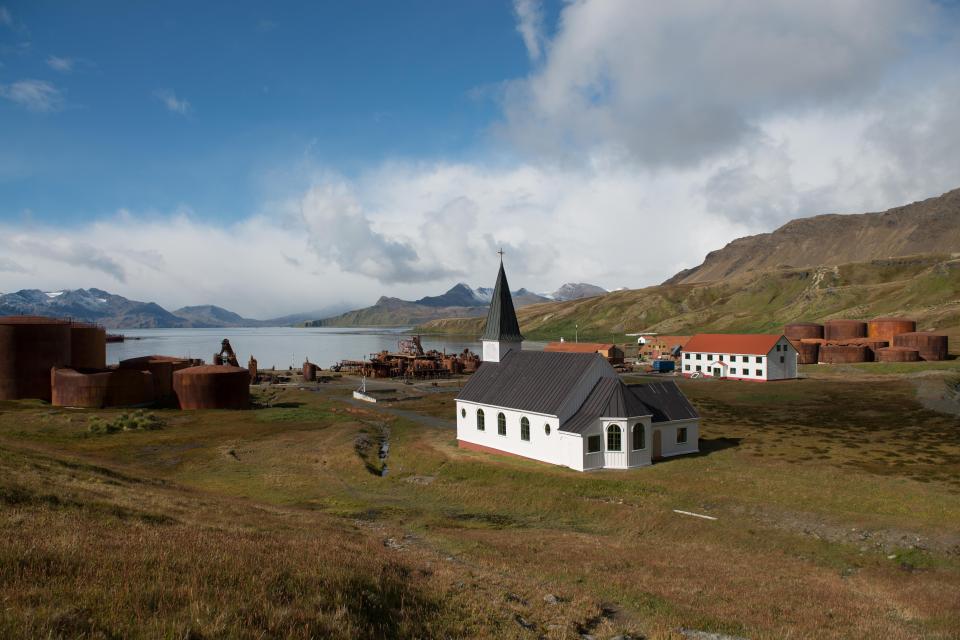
point(924, 287)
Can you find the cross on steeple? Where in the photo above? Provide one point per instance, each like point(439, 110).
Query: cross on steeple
point(500, 253)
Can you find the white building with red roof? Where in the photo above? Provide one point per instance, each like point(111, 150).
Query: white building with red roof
point(757, 357)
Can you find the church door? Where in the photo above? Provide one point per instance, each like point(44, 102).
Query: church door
point(657, 452)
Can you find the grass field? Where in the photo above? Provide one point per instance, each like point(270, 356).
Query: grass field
point(837, 500)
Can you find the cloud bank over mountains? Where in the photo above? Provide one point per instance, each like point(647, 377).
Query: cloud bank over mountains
point(643, 136)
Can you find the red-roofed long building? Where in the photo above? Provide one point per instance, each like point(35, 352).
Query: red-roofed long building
point(758, 357)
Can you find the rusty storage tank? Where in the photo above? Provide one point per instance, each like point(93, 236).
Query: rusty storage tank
point(29, 347)
point(886, 328)
point(88, 346)
point(818, 341)
point(252, 369)
point(871, 344)
point(844, 329)
point(162, 368)
point(807, 352)
point(309, 372)
point(932, 346)
point(897, 354)
point(839, 353)
point(98, 388)
point(212, 387)
point(801, 330)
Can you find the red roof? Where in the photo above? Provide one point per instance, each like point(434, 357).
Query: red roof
point(578, 347)
point(758, 344)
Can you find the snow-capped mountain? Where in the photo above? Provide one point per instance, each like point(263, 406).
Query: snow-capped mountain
point(575, 291)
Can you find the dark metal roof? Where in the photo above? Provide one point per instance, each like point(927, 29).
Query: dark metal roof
point(502, 318)
point(665, 400)
point(534, 381)
point(611, 398)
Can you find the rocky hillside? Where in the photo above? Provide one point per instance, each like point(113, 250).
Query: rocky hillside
point(90, 305)
point(925, 287)
point(929, 226)
point(577, 290)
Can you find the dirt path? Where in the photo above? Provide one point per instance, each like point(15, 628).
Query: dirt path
point(419, 418)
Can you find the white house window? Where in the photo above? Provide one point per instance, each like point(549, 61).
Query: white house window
point(463, 413)
point(687, 367)
point(639, 437)
point(759, 359)
point(524, 428)
point(733, 358)
point(480, 425)
point(733, 371)
point(681, 435)
point(613, 438)
point(501, 424)
point(546, 429)
point(687, 356)
point(594, 444)
point(759, 372)
point(698, 356)
point(781, 358)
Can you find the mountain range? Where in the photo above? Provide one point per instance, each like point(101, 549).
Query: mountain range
point(461, 300)
point(118, 312)
point(904, 262)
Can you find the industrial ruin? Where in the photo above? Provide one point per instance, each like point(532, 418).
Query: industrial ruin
point(64, 363)
point(878, 340)
point(411, 362)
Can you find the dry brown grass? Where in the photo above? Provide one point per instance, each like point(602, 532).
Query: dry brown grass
point(268, 524)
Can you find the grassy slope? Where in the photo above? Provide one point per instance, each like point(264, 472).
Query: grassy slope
point(923, 287)
point(268, 523)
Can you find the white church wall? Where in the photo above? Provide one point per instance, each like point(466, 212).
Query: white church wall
point(668, 437)
point(495, 350)
point(541, 446)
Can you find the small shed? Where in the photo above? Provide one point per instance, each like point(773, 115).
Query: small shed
point(610, 351)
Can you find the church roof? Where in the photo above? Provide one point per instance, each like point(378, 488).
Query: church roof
point(534, 381)
point(611, 398)
point(502, 318)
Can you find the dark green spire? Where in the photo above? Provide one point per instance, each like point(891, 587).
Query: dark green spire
point(502, 322)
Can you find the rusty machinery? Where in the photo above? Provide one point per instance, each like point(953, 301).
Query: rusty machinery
point(226, 355)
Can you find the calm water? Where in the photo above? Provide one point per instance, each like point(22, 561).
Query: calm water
point(279, 346)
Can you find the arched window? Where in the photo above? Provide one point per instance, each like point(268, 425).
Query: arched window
point(546, 429)
point(613, 438)
point(480, 425)
point(639, 437)
point(463, 413)
point(524, 428)
point(501, 424)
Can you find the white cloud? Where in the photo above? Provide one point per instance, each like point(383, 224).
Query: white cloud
point(672, 84)
point(34, 95)
point(61, 64)
point(530, 25)
point(171, 102)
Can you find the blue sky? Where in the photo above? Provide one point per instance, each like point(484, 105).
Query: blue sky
point(276, 159)
point(349, 83)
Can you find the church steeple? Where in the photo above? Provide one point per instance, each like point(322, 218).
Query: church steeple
point(502, 333)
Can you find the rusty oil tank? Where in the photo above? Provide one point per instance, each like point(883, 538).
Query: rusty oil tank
point(252, 369)
point(98, 388)
point(162, 368)
point(872, 344)
point(309, 372)
point(886, 328)
point(841, 354)
point(844, 329)
point(897, 354)
point(807, 352)
point(212, 387)
point(30, 347)
point(801, 330)
point(932, 346)
point(88, 346)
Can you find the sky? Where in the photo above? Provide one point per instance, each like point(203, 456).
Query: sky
point(274, 158)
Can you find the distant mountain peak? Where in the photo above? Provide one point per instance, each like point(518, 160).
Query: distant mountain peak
point(576, 291)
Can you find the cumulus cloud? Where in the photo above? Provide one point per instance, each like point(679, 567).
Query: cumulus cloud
point(671, 84)
point(172, 102)
point(67, 251)
point(61, 64)
point(34, 95)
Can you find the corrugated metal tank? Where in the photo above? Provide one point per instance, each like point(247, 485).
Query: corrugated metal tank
point(807, 352)
point(29, 348)
point(801, 330)
point(886, 328)
point(932, 346)
point(870, 343)
point(839, 354)
point(88, 346)
point(212, 387)
point(844, 329)
point(102, 388)
point(897, 354)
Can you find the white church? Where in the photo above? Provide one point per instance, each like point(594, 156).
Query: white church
point(569, 409)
